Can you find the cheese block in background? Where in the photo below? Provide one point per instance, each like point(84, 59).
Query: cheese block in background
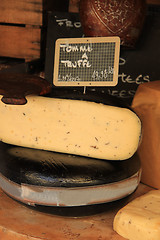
point(71, 126)
point(139, 219)
point(146, 104)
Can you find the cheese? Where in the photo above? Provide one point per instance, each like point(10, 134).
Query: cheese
point(140, 219)
point(146, 104)
point(71, 126)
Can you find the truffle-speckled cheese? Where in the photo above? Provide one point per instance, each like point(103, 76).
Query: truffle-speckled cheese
point(140, 219)
point(71, 126)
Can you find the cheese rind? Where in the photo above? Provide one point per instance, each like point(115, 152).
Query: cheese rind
point(71, 126)
point(140, 219)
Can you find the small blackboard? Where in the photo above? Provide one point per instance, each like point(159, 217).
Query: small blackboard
point(86, 61)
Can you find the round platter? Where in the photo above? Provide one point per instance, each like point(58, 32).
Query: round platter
point(37, 177)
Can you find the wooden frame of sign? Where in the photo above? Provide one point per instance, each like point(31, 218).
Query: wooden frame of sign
point(86, 61)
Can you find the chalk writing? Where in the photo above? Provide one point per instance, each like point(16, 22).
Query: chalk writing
point(68, 23)
point(122, 61)
point(75, 48)
point(128, 79)
point(122, 93)
point(100, 75)
point(84, 63)
point(68, 77)
point(79, 63)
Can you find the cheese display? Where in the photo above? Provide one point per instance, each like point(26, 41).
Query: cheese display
point(139, 219)
point(56, 179)
point(67, 148)
point(146, 104)
point(71, 126)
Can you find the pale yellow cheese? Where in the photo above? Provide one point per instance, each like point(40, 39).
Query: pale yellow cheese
point(146, 104)
point(140, 219)
point(71, 126)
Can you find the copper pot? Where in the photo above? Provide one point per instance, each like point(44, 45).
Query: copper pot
point(123, 18)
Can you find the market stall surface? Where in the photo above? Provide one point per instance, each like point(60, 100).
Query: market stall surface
point(20, 222)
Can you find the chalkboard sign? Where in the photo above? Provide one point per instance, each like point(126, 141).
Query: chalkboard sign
point(87, 61)
point(60, 25)
point(136, 66)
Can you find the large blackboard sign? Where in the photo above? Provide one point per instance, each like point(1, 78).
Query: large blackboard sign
point(136, 66)
point(60, 25)
point(86, 61)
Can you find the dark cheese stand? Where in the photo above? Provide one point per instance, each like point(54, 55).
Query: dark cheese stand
point(38, 177)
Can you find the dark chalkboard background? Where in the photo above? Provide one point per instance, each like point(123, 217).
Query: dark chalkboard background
point(60, 25)
point(136, 66)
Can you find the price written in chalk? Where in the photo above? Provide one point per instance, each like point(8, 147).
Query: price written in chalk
point(100, 75)
point(86, 62)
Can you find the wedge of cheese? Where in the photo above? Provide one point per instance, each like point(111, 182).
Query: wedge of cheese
point(71, 126)
point(140, 219)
